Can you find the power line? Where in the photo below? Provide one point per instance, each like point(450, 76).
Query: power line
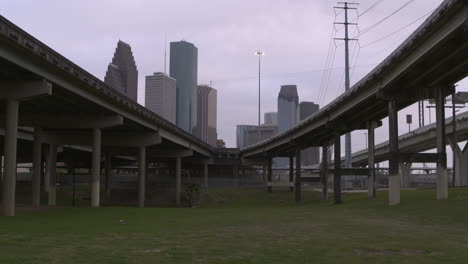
point(364, 31)
point(393, 33)
point(371, 7)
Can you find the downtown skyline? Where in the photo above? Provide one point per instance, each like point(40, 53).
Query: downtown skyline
point(295, 37)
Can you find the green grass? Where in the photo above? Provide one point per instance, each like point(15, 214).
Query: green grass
point(248, 226)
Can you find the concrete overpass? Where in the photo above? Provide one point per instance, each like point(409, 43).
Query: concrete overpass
point(424, 139)
point(425, 66)
point(65, 105)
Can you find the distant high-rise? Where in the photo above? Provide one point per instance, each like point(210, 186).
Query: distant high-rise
point(271, 118)
point(247, 135)
point(122, 73)
point(309, 156)
point(183, 68)
point(288, 107)
point(288, 114)
point(206, 114)
point(160, 95)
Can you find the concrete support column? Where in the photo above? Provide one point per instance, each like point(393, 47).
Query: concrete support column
point(178, 170)
point(337, 176)
point(371, 179)
point(297, 179)
point(269, 174)
point(405, 174)
point(461, 164)
point(52, 171)
point(442, 181)
point(9, 171)
point(96, 168)
point(36, 176)
point(235, 175)
point(291, 172)
point(108, 174)
point(324, 172)
point(393, 177)
point(141, 177)
point(205, 174)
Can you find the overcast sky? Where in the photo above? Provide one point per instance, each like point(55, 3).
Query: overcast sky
point(294, 34)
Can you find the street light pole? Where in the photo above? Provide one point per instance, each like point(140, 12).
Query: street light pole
point(259, 54)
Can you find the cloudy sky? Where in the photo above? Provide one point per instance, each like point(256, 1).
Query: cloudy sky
point(294, 34)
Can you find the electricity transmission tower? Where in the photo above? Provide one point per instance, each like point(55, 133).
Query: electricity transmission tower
point(346, 23)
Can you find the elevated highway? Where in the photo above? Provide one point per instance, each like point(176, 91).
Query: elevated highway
point(425, 66)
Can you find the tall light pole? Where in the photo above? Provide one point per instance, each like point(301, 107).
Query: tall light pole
point(259, 54)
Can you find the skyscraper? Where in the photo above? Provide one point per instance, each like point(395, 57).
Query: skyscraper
point(160, 95)
point(288, 114)
point(271, 118)
point(122, 73)
point(183, 68)
point(288, 107)
point(206, 114)
point(247, 135)
point(309, 156)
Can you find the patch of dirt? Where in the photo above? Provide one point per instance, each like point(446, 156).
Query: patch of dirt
point(387, 252)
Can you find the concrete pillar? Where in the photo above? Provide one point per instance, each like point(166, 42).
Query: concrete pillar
point(337, 176)
point(205, 174)
point(324, 172)
point(405, 169)
point(291, 172)
point(96, 168)
point(235, 175)
point(461, 164)
point(108, 174)
point(178, 180)
point(141, 177)
point(442, 181)
point(393, 177)
point(9, 171)
point(37, 160)
point(371, 179)
point(46, 170)
point(269, 174)
point(52, 171)
point(297, 179)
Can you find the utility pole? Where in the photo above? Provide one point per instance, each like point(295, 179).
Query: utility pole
point(347, 79)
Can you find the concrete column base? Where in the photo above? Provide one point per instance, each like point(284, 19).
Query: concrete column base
point(442, 184)
point(370, 187)
point(405, 175)
point(394, 183)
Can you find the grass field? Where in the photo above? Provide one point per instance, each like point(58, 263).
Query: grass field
point(247, 226)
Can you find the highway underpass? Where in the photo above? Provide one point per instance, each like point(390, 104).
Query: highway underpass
point(425, 66)
point(65, 105)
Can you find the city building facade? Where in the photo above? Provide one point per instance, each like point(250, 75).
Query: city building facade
point(206, 114)
point(122, 73)
point(161, 95)
point(288, 114)
point(184, 68)
point(309, 156)
point(247, 135)
point(271, 118)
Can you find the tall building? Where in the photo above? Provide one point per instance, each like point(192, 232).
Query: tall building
point(288, 107)
point(309, 156)
point(183, 68)
point(288, 114)
point(122, 73)
point(161, 95)
point(247, 135)
point(271, 118)
point(206, 114)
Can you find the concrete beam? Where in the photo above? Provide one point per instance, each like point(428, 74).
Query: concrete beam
point(23, 90)
point(96, 168)
point(111, 139)
point(37, 160)
point(70, 121)
point(52, 172)
point(297, 179)
point(170, 153)
point(141, 177)
point(393, 177)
